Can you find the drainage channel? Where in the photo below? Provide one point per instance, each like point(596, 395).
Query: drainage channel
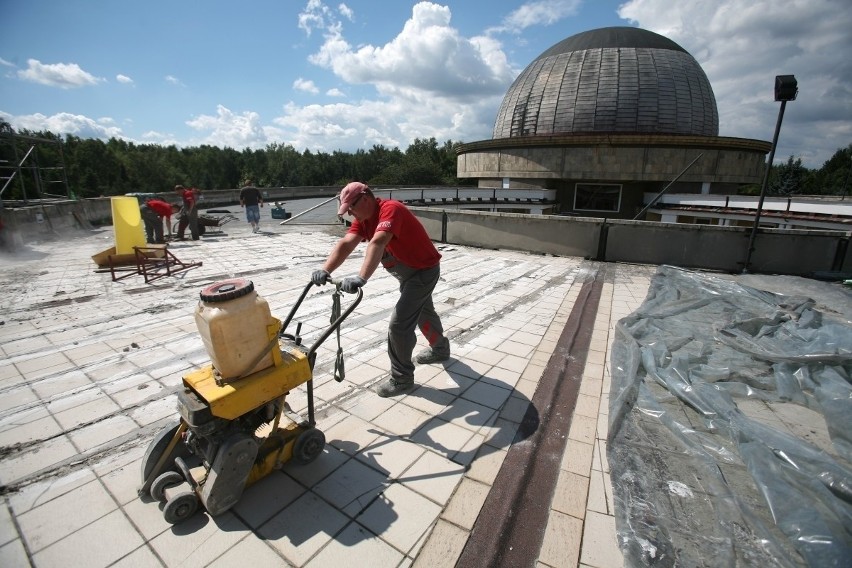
point(510, 527)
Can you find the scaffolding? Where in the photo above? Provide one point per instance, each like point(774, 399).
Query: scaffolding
point(31, 168)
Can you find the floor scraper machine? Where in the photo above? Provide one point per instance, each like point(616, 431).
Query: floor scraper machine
point(235, 425)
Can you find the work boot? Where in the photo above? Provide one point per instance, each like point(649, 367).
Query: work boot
point(434, 354)
point(392, 387)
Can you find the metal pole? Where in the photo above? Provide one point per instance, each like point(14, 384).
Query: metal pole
point(763, 188)
point(307, 211)
point(659, 195)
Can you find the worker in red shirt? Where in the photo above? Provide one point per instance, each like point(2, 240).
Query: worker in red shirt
point(153, 212)
point(398, 241)
point(189, 215)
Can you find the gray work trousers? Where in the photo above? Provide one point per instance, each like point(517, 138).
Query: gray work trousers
point(413, 310)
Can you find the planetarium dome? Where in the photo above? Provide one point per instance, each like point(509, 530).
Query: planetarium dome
point(610, 80)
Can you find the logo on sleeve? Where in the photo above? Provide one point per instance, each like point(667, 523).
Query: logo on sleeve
point(384, 226)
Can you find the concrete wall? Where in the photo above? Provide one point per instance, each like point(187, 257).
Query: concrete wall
point(776, 251)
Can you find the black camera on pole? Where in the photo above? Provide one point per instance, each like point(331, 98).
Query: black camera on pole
point(786, 88)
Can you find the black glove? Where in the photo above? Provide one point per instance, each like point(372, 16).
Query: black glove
point(351, 284)
point(320, 277)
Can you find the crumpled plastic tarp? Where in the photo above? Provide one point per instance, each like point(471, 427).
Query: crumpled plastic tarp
point(704, 469)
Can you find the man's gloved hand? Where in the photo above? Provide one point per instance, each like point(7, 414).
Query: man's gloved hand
point(320, 277)
point(351, 284)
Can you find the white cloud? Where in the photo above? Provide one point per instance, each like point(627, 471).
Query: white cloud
point(316, 15)
point(428, 56)
point(174, 80)
point(226, 128)
point(62, 75)
point(6, 63)
point(335, 92)
point(124, 79)
point(305, 85)
point(743, 44)
point(67, 123)
point(346, 12)
point(538, 13)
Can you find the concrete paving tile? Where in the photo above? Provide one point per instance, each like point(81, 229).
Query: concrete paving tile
point(525, 389)
point(533, 372)
point(22, 465)
point(303, 528)
point(76, 549)
point(367, 406)
point(13, 554)
point(17, 398)
point(512, 363)
point(484, 396)
point(155, 411)
point(600, 548)
point(469, 368)
point(266, 498)
point(597, 493)
point(570, 494)
point(91, 353)
point(199, 540)
point(27, 426)
point(587, 406)
point(390, 455)
point(8, 532)
point(9, 375)
point(577, 457)
point(583, 429)
point(466, 502)
point(443, 547)
point(450, 382)
point(90, 437)
point(30, 344)
point(401, 420)
point(465, 455)
point(515, 408)
point(501, 377)
point(309, 475)
point(147, 516)
point(44, 365)
point(445, 438)
point(591, 387)
point(56, 519)
point(400, 517)
point(357, 547)
point(429, 400)
point(90, 411)
point(62, 383)
point(351, 487)
point(487, 464)
point(350, 435)
point(563, 535)
point(142, 557)
point(250, 551)
point(433, 476)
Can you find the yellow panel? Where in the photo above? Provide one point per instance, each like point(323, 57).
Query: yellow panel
point(232, 400)
point(127, 224)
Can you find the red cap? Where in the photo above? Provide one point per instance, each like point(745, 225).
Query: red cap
point(349, 194)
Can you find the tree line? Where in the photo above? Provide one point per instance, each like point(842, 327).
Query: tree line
point(93, 167)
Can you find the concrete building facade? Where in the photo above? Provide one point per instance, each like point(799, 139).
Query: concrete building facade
point(605, 116)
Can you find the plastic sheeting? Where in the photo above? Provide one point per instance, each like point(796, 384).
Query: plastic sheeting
point(704, 470)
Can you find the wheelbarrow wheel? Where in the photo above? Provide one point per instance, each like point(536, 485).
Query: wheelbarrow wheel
point(308, 446)
point(156, 448)
point(164, 481)
point(180, 507)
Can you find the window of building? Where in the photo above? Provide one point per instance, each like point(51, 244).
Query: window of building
point(597, 197)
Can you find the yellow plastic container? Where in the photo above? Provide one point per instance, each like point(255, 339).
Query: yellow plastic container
point(127, 224)
point(232, 320)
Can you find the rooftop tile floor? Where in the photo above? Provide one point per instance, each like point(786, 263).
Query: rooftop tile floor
point(90, 367)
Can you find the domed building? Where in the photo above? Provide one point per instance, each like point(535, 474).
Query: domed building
point(605, 116)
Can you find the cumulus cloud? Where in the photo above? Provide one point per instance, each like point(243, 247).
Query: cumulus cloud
point(124, 79)
point(173, 80)
point(305, 85)
point(62, 75)
point(743, 44)
point(335, 92)
point(226, 128)
point(538, 13)
point(428, 56)
point(67, 123)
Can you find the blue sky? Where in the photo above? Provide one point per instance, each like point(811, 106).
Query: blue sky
point(329, 76)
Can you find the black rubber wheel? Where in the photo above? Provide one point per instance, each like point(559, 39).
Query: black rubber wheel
point(180, 507)
point(308, 446)
point(156, 448)
point(164, 480)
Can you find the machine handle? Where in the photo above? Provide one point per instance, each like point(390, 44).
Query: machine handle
point(334, 325)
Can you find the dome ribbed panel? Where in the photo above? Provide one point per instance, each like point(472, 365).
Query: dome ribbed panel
point(646, 89)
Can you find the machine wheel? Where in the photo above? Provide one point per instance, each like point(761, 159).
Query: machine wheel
point(180, 507)
point(164, 480)
point(308, 446)
point(156, 448)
